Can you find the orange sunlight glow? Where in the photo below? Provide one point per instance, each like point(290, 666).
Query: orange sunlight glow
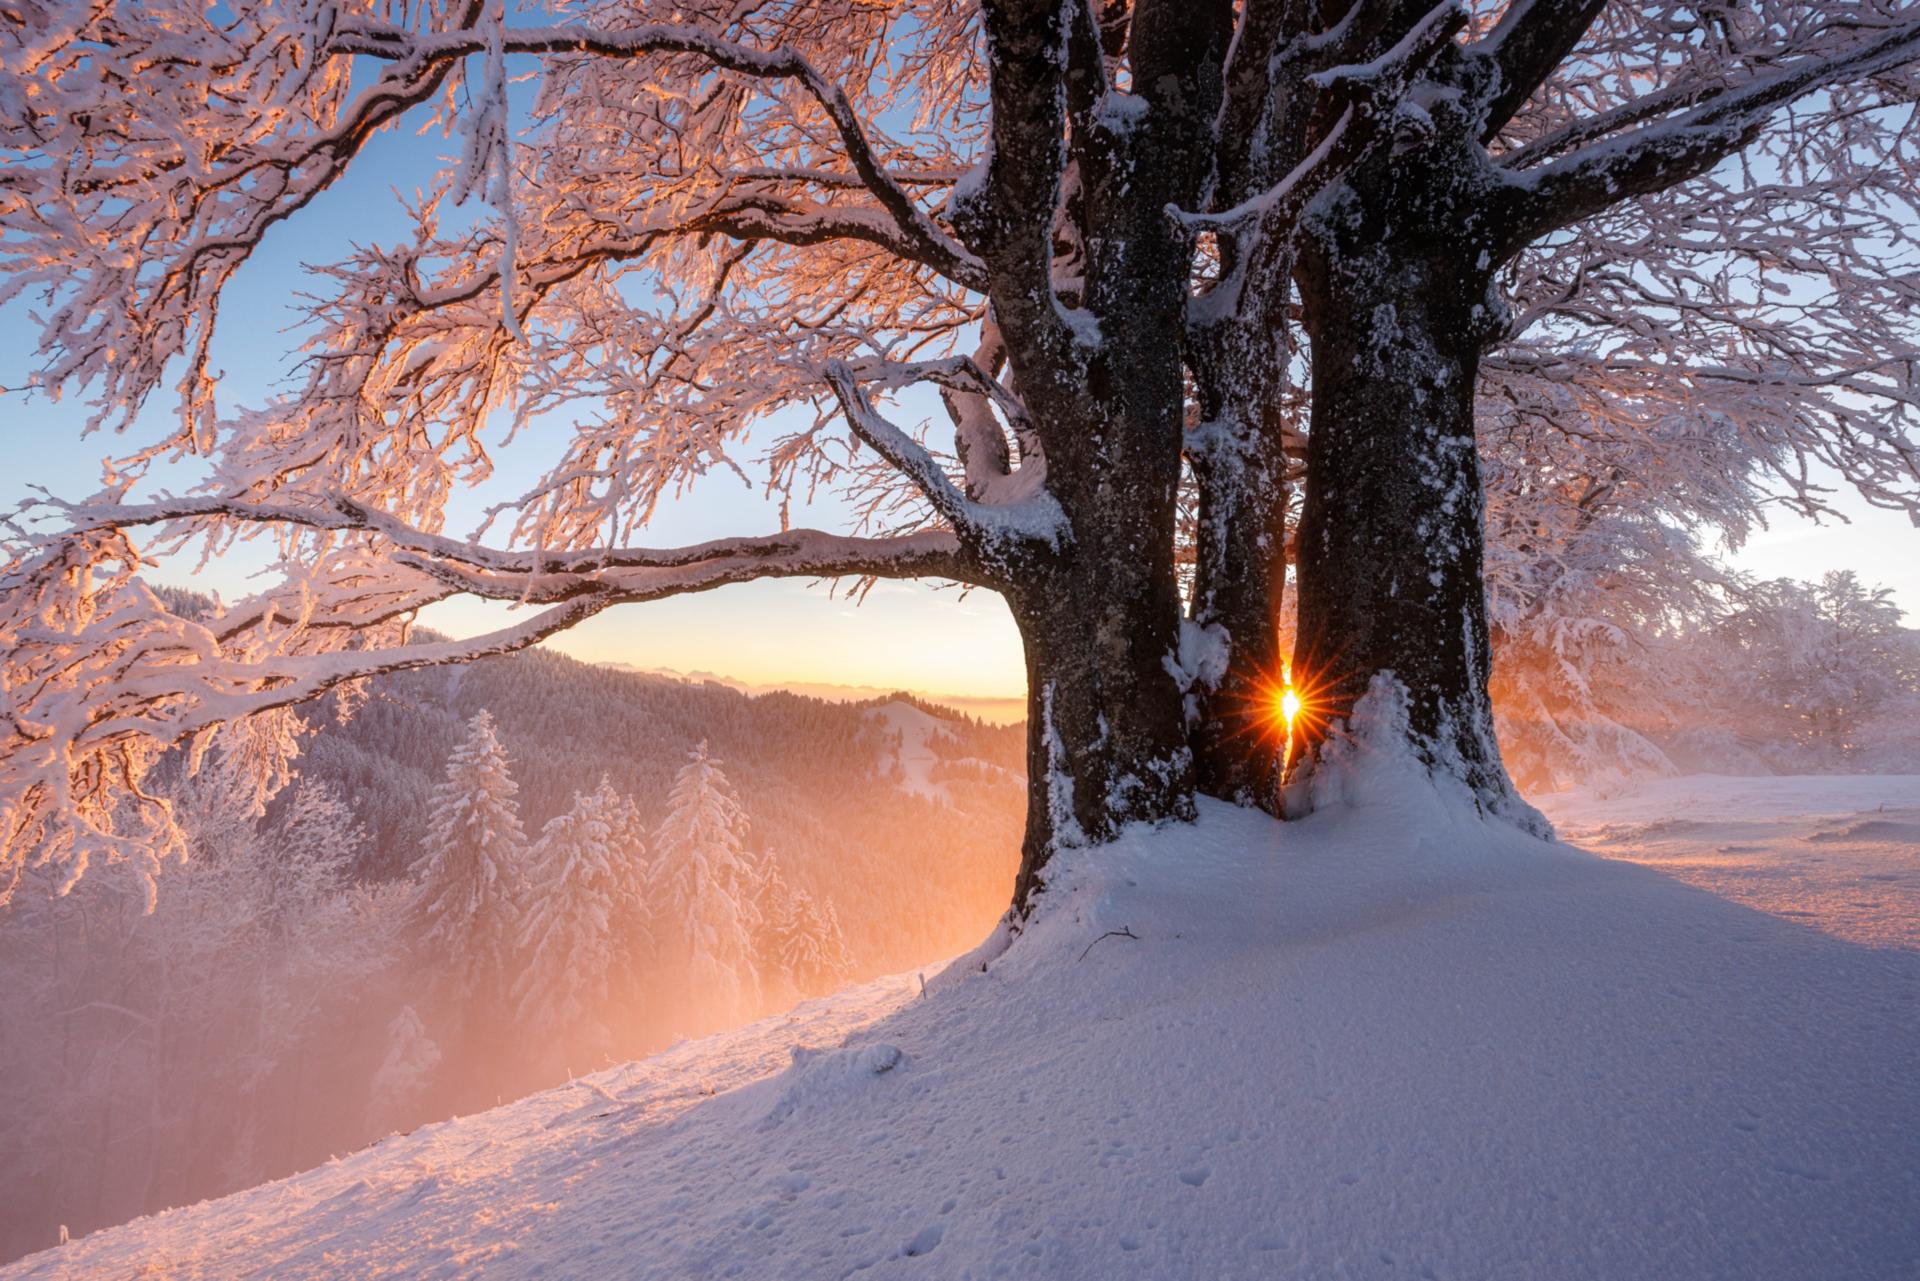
point(1286, 707)
point(1293, 703)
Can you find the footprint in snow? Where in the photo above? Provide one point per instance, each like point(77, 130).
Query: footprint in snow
point(1195, 1177)
point(923, 1241)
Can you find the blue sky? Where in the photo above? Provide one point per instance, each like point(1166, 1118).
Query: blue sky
point(902, 636)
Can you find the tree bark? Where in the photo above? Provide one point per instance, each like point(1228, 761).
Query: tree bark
point(1106, 732)
point(1239, 587)
point(1094, 325)
point(1396, 282)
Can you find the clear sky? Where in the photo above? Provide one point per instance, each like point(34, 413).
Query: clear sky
point(902, 636)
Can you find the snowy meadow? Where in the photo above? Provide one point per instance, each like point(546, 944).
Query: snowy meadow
point(1455, 829)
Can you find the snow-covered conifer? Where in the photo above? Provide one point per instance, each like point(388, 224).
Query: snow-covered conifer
point(632, 909)
point(470, 868)
point(807, 945)
point(705, 886)
point(404, 1073)
point(567, 930)
point(801, 947)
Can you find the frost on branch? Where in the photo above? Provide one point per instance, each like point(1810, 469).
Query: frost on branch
point(653, 313)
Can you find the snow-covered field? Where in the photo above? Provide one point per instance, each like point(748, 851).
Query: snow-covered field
point(1377, 1044)
point(1841, 854)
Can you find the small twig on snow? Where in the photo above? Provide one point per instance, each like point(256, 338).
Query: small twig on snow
point(1124, 932)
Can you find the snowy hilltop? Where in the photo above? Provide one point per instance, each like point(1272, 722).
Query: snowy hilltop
point(1426, 1047)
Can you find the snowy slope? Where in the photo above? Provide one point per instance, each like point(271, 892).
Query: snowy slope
point(917, 733)
point(1383, 1043)
point(1841, 854)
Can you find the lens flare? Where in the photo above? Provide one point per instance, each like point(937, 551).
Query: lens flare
point(1289, 705)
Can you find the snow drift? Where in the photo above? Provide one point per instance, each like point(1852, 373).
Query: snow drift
point(1388, 1041)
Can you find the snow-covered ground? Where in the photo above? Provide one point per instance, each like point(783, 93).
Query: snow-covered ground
point(1840, 854)
point(1382, 1043)
point(917, 732)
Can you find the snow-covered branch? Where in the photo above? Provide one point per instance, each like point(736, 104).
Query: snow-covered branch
point(1005, 207)
point(246, 126)
point(1531, 40)
point(929, 242)
point(1261, 226)
point(1714, 125)
point(101, 676)
point(1031, 515)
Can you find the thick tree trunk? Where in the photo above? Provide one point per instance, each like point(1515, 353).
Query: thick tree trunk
point(1239, 587)
point(1238, 454)
point(1106, 732)
point(1391, 540)
point(1093, 309)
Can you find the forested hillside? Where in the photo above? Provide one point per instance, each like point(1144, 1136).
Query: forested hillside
point(915, 876)
point(479, 882)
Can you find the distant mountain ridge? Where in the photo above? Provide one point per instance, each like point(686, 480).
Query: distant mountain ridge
point(1006, 710)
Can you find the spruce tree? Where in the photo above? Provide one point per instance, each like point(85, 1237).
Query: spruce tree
point(566, 935)
point(705, 885)
point(470, 867)
point(635, 948)
point(404, 1074)
point(802, 948)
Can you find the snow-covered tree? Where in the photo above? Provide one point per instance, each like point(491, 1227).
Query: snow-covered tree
point(567, 935)
point(163, 1039)
point(633, 923)
point(405, 1073)
point(1818, 674)
point(471, 871)
point(1595, 578)
point(705, 884)
point(804, 945)
point(1074, 229)
point(1622, 675)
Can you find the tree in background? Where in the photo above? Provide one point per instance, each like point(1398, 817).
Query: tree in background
point(1820, 676)
point(705, 885)
point(165, 1036)
point(807, 944)
point(469, 916)
point(1595, 576)
point(266, 1010)
point(634, 915)
point(1621, 674)
point(574, 882)
point(405, 1074)
point(802, 950)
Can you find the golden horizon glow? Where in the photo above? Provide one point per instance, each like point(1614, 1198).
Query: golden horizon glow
point(1290, 705)
point(961, 651)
